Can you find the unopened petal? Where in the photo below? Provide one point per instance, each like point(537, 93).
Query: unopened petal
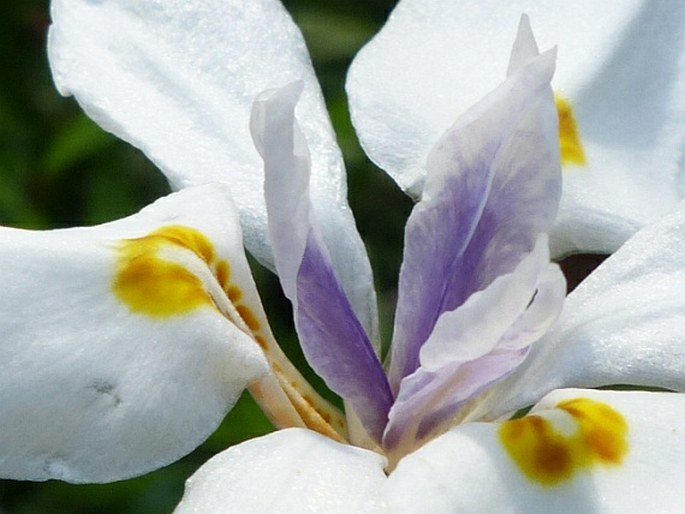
point(493, 186)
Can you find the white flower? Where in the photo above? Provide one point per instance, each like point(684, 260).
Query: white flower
point(126, 343)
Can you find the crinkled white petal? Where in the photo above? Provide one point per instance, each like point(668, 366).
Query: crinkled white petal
point(468, 470)
point(177, 79)
point(625, 324)
point(93, 389)
point(290, 471)
point(620, 66)
point(286, 182)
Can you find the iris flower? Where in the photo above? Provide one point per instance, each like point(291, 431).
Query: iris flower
point(125, 344)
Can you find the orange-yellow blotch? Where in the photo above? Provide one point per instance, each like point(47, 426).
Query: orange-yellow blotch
point(234, 293)
point(188, 238)
point(262, 343)
point(570, 145)
point(549, 457)
point(604, 428)
point(248, 317)
point(150, 285)
point(223, 273)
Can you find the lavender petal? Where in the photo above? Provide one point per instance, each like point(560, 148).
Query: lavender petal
point(493, 186)
point(334, 342)
point(529, 300)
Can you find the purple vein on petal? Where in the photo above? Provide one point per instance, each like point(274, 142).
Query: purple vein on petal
point(331, 335)
point(472, 350)
point(493, 185)
point(335, 343)
point(429, 399)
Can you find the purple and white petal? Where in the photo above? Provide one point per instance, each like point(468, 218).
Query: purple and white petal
point(621, 68)
point(625, 324)
point(474, 347)
point(331, 335)
point(288, 471)
point(476, 327)
point(493, 186)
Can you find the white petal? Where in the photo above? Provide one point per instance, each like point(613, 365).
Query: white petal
point(290, 471)
point(286, 156)
point(625, 324)
point(525, 47)
point(620, 66)
point(610, 453)
point(102, 379)
point(177, 79)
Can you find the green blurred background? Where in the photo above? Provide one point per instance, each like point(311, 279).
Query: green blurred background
point(58, 169)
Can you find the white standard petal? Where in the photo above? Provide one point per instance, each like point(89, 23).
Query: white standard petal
point(177, 79)
point(625, 324)
point(289, 471)
point(125, 344)
point(577, 451)
point(619, 82)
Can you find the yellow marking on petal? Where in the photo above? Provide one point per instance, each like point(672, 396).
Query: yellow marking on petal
point(311, 415)
point(223, 273)
point(604, 428)
point(149, 281)
point(188, 238)
point(570, 145)
point(234, 293)
point(547, 456)
point(151, 285)
point(262, 343)
point(248, 317)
